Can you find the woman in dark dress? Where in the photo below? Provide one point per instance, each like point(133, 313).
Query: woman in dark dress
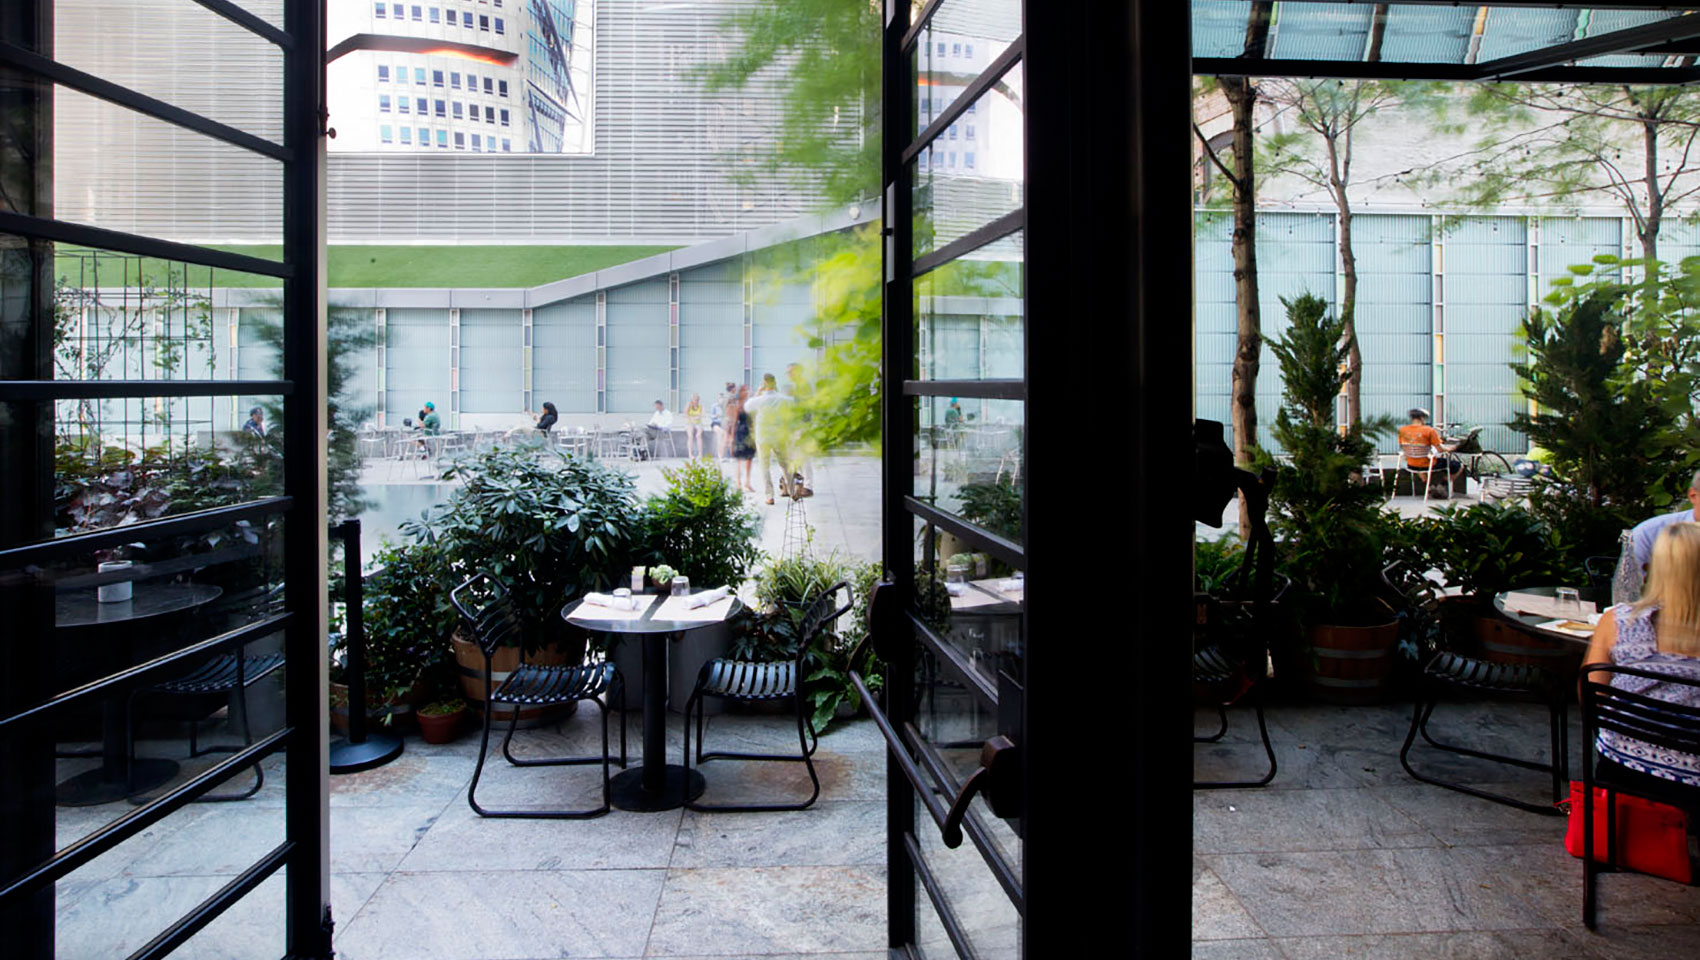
point(548, 418)
point(743, 439)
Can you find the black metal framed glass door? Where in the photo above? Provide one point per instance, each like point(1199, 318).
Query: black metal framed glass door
point(1037, 373)
point(160, 566)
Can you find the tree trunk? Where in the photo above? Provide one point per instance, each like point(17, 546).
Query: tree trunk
point(1655, 199)
point(1348, 308)
point(1249, 340)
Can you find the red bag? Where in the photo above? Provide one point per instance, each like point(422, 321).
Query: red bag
point(1652, 838)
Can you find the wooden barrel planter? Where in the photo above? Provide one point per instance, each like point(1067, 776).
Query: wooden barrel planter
point(469, 664)
point(1351, 665)
point(1502, 642)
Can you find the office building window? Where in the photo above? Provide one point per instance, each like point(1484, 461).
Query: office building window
point(419, 75)
point(407, 136)
point(443, 139)
point(383, 74)
point(466, 20)
point(436, 16)
point(956, 49)
point(500, 27)
point(484, 23)
point(397, 12)
point(952, 133)
point(968, 159)
point(400, 74)
point(457, 110)
point(421, 104)
point(968, 50)
point(460, 140)
point(504, 118)
point(477, 144)
point(941, 49)
point(472, 83)
point(503, 87)
point(436, 78)
point(417, 12)
point(442, 107)
point(454, 80)
point(384, 134)
point(950, 158)
point(425, 137)
point(968, 131)
point(380, 11)
point(489, 87)
point(507, 145)
point(971, 107)
point(384, 103)
point(401, 104)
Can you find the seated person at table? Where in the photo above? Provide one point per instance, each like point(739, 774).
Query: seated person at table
point(660, 424)
point(429, 421)
point(1647, 531)
point(1659, 633)
point(548, 417)
point(1419, 432)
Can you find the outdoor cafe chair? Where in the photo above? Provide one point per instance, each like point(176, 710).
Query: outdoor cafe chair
point(1661, 723)
point(487, 610)
point(1454, 668)
point(1410, 451)
point(749, 681)
point(1229, 668)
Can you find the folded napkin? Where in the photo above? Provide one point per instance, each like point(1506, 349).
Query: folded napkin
point(610, 601)
point(707, 597)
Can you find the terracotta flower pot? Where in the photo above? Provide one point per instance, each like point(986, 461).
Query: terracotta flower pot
point(441, 728)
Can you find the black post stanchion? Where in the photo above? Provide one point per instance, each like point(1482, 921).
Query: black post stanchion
point(360, 750)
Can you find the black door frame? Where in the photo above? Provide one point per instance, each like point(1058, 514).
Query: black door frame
point(30, 864)
point(1106, 733)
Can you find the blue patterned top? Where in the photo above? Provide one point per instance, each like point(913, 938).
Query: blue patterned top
point(1638, 646)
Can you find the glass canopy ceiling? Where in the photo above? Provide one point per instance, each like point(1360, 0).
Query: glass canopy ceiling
point(1448, 40)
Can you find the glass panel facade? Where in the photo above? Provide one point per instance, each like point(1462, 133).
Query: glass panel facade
point(973, 170)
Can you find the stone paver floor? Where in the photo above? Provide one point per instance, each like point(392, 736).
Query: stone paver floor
point(1343, 856)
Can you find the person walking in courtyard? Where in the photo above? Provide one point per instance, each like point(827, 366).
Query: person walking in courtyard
point(727, 424)
point(743, 439)
point(770, 433)
point(693, 426)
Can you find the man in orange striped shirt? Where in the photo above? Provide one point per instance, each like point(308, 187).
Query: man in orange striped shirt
point(1418, 432)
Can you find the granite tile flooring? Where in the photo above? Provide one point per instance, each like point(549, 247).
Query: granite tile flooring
point(1342, 856)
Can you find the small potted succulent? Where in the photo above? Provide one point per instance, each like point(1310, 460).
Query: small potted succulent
point(662, 576)
point(441, 721)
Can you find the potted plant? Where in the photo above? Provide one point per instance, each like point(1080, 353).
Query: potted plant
point(1331, 527)
point(442, 720)
point(661, 575)
point(701, 524)
point(547, 525)
point(1488, 549)
point(407, 622)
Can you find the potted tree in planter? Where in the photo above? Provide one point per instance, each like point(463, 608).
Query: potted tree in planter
point(549, 526)
point(699, 528)
point(1331, 527)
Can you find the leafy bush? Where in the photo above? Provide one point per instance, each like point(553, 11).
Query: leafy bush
point(701, 527)
point(995, 506)
point(1215, 562)
point(1331, 525)
point(827, 684)
point(549, 526)
point(407, 619)
point(1488, 548)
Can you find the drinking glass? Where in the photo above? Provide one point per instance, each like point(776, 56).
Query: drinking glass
point(1568, 602)
point(681, 586)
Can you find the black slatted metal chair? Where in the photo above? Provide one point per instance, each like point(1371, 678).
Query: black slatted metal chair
point(1454, 668)
point(764, 680)
point(1228, 668)
point(1667, 725)
point(488, 612)
point(230, 674)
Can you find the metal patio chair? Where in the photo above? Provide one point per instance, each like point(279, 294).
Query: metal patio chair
point(230, 674)
point(1455, 667)
point(1231, 668)
point(1662, 723)
point(495, 623)
point(1410, 451)
point(748, 681)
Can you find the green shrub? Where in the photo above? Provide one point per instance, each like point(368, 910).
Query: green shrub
point(701, 527)
point(408, 621)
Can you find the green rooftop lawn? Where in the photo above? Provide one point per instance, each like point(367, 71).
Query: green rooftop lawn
point(373, 266)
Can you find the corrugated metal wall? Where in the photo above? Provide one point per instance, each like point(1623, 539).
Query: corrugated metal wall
point(1394, 315)
point(1485, 293)
point(663, 171)
point(416, 363)
point(492, 361)
point(563, 355)
point(639, 365)
point(711, 330)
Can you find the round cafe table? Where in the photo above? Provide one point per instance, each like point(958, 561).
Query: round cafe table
point(655, 784)
point(1533, 622)
point(109, 632)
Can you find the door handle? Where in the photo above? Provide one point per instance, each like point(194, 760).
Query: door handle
point(998, 778)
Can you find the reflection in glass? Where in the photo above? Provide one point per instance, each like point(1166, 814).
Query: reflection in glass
point(968, 455)
point(968, 315)
point(973, 170)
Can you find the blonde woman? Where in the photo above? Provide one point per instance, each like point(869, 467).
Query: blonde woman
point(693, 426)
point(1658, 633)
